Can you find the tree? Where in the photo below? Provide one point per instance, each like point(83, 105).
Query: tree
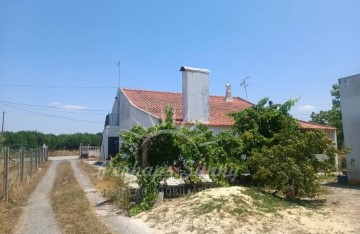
point(279, 154)
point(332, 117)
point(59, 142)
point(188, 148)
point(2, 140)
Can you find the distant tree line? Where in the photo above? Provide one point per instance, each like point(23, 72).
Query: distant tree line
point(54, 142)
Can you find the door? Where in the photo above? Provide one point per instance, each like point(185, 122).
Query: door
point(113, 146)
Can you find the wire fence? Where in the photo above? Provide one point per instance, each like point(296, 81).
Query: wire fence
point(19, 163)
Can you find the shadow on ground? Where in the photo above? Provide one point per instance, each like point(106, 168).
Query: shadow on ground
point(338, 185)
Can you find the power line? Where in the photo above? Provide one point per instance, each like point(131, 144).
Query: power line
point(51, 107)
point(54, 116)
point(60, 110)
point(57, 86)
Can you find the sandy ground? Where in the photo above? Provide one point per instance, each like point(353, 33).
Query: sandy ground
point(338, 214)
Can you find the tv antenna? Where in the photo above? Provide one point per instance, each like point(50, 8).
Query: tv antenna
point(118, 64)
point(244, 84)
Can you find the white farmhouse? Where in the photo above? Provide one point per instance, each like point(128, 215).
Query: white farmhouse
point(146, 108)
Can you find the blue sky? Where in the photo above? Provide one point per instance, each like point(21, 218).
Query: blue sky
point(289, 49)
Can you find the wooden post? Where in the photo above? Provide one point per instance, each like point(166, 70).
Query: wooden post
point(6, 173)
point(37, 159)
point(144, 153)
point(43, 154)
point(22, 164)
point(31, 161)
point(81, 152)
point(46, 153)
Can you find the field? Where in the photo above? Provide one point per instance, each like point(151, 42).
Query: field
point(63, 153)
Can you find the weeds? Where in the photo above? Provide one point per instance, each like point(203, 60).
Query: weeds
point(112, 187)
point(70, 205)
point(210, 206)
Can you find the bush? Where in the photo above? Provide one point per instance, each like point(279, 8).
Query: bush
point(280, 155)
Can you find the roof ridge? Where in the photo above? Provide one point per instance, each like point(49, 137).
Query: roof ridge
point(147, 90)
point(158, 91)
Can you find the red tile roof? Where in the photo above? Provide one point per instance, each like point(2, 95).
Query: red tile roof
point(154, 102)
point(309, 126)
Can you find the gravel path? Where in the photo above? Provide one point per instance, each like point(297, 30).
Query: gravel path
point(38, 216)
point(106, 213)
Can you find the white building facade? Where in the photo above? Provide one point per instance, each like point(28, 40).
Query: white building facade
point(350, 109)
point(146, 108)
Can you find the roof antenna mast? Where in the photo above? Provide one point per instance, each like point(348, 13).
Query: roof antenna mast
point(244, 84)
point(118, 64)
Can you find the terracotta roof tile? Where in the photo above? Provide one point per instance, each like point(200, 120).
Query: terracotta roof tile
point(154, 102)
point(308, 125)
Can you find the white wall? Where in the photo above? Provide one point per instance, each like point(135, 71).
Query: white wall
point(350, 108)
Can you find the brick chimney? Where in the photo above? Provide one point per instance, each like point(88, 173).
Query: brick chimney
point(195, 94)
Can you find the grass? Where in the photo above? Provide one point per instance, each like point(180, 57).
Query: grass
point(210, 206)
point(270, 203)
point(63, 153)
point(72, 209)
point(18, 195)
point(93, 173)
point(111, 187)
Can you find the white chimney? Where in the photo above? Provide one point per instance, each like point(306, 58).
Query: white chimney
point(228, 96)
point(195, 94)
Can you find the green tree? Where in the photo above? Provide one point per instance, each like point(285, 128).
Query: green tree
point(2, 139)
point(55, 142)
point(189, 148)
point(332, 117)
point(279, 154)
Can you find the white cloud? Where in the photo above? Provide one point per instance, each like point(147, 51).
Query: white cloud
point(67, 106)
point(55, 103)
point(306, 108)
point(74, 107)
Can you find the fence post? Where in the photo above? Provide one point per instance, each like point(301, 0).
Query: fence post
point(43, 153)
point(46, 153)
point(81, 152)
point(37, 159)
point(31, 161)
point(6, 173)
point(22, 164)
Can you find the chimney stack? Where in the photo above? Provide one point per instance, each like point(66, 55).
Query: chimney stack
point(228, 96)
point(195, 94)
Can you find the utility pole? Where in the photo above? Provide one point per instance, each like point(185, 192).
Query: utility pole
point(244, 84)
point(118, 98)
point(3, 119)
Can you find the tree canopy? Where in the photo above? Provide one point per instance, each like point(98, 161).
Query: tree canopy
point(279, 154)
point(332, 117)
point(54, 142)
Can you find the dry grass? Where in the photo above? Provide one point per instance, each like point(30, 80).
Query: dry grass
point(71, 207)
point(111, 187)
point(18, 196)
point(63, 153)
point(93, 173)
